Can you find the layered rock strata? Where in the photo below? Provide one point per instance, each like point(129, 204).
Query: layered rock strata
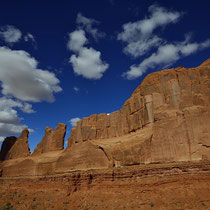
point(166, 119)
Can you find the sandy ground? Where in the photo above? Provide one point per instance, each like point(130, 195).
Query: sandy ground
point(157, 186)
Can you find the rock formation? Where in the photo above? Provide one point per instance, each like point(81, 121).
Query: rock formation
point(6, 146)
point(166, 119)
point(52, 141)
point(13, 147)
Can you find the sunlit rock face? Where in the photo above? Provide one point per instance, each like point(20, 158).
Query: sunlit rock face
point(166, 119)
point(13, 147)
point(174, 103)
point(52, 141)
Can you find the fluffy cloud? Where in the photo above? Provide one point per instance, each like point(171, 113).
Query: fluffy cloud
point(77, 39)
point(9, 116)
point(10, 123)
point(142, 46)
point(21, 82)
point(165, 56)
point(86, 61)
point(6, 103)
point(87, 25)
point(74, 121)
point(140, 39)
point(139, 35)
point(10, 34)
point(22, 79)
point(27, 108)
point(159, 16)
point(11, 129)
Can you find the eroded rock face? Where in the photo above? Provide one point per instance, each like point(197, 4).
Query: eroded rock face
point(13, 147)
point(52, 141)
point(82, 156)
point(174, 102)
point(166, 119)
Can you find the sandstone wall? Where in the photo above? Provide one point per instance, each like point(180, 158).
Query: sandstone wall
point(174, 102)
point(13, 147)
point(52, 141)
point(166, 119)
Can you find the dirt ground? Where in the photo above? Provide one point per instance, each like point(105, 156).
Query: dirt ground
point(157, 186)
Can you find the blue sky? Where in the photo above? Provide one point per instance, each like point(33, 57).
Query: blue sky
point(61, 60)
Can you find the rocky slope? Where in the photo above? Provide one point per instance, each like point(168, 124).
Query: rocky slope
point(166, 119)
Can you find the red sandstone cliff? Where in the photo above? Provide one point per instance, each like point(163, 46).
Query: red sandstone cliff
point(13, 147)
point(52, 141)
point(166, 119)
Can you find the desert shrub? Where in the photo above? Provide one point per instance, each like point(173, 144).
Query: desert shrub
point(151, 204)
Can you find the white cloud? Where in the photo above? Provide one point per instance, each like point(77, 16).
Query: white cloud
point(165, 56)
point(139, 35)
point(28, 37)
point(10, 129)
point(10, 34)
point(10, 123)
point(74, 121)
point(76, 89)
point(140, 39)
point(142, 46)
point(159, 17)
point(9, 115)
point(88, 63)
point(21, 78)
point(7, 103)
point(21, 82)
point(2, 138)
point(87, 25)
point(77, 40)
point(27, 108)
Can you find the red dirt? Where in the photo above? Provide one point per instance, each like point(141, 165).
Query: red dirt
point(154, 186)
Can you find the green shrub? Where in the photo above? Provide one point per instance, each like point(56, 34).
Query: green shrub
point(151, 204)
